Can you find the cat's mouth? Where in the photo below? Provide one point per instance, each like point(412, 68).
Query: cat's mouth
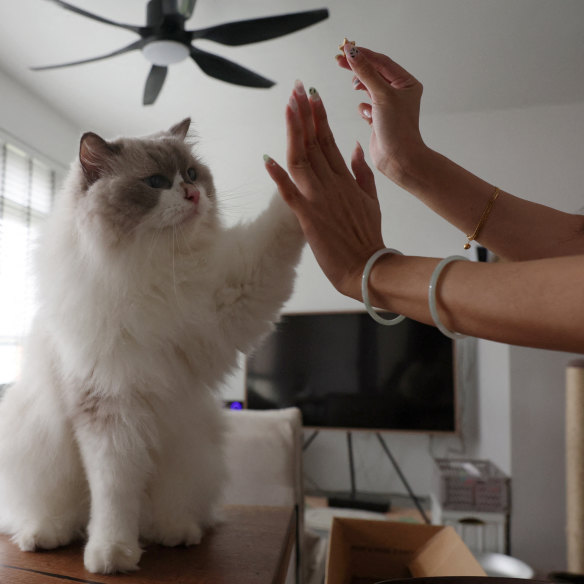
point(173, 210)
point(194, 209)
point(189, 214)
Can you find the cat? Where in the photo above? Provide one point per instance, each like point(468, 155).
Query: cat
point(114, 431)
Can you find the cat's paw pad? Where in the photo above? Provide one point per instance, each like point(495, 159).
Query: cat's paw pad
point(109, 557)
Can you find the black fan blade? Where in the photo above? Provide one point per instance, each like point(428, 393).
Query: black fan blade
point(259, 29)
point(154, 84)
point(225, 70)
point(82, 12)
point(134, 46)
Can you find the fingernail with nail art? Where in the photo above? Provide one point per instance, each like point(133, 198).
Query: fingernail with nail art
point(314, 95)
point(353, 52)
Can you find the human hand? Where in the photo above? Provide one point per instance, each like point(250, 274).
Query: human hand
point(393, 114)
point(338, 211)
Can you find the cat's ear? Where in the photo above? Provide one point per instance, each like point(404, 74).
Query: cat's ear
point(94, 156)
point(181, 129)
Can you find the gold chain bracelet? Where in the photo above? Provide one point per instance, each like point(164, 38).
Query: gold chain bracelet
point(483, 218)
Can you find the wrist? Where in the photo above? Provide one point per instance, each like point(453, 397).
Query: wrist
point(410, 168)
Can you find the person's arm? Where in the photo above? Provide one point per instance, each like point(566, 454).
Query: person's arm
point(516, 229)
point(536, 303)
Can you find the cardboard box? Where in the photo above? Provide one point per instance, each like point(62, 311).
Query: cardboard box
point(363, 551)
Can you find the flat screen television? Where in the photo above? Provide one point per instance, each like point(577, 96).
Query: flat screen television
point(344, 370)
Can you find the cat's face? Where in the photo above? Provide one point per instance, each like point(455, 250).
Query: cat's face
point(133, 186)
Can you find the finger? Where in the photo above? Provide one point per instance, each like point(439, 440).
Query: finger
point(305, 114)
point(312, 147)
point(361, 59)
point(399, 77)
point(299, 94)
point(325, 135)
point(287, 189)
point(297, 160)
point(342, 62)
point(358, 85)
point(395, 74)
point(363, 173)
point(366, 112)
point(370, 77)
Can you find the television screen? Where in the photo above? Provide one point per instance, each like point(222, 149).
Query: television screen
point(344, 370)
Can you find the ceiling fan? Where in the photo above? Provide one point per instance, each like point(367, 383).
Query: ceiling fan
point(164, 41)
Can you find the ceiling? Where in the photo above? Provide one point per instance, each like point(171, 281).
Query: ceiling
point(472, 55)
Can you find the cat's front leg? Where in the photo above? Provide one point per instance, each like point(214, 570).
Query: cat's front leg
point(117, 463)
point(190, 472)
point(260, 261)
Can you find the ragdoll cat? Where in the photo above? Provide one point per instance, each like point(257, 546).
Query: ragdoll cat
point(113, 429)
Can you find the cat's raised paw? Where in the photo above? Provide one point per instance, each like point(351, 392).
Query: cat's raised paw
point(110, 557)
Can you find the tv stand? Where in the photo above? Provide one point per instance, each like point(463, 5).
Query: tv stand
point(354, 500)
point(362, 500)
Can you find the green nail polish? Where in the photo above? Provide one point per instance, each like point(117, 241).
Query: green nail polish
point(313, 93)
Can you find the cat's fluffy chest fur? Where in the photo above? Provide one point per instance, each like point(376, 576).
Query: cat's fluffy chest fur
point(145, 302)
point(150, 309)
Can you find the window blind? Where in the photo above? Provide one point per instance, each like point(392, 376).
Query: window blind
point(27, 190)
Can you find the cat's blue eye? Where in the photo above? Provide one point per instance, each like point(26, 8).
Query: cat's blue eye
point(192, 174)
point(158, 181)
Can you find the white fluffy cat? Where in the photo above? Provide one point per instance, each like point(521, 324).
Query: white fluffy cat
point(114, 430)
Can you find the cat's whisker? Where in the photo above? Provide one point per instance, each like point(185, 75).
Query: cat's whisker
point(153, 242)
point(186, 243)
point(236, 203)
point(173, 264)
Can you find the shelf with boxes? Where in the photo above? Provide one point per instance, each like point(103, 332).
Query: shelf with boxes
point(473, 496)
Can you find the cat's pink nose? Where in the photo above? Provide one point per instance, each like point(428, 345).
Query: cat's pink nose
point(191, 193)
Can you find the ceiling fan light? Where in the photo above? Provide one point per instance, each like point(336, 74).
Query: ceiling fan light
point(165, 53)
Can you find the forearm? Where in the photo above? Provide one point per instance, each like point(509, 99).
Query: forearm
point(538, 303)
point(533, 303)
point(515, 229)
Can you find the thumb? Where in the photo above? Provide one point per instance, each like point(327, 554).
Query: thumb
point(363, 174)
point(287, 189)
point(369, 76)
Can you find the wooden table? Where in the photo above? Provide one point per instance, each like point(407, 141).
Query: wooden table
point(252, 546)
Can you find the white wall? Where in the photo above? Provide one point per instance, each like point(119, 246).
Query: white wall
point(535, 153)
point(35, 124)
